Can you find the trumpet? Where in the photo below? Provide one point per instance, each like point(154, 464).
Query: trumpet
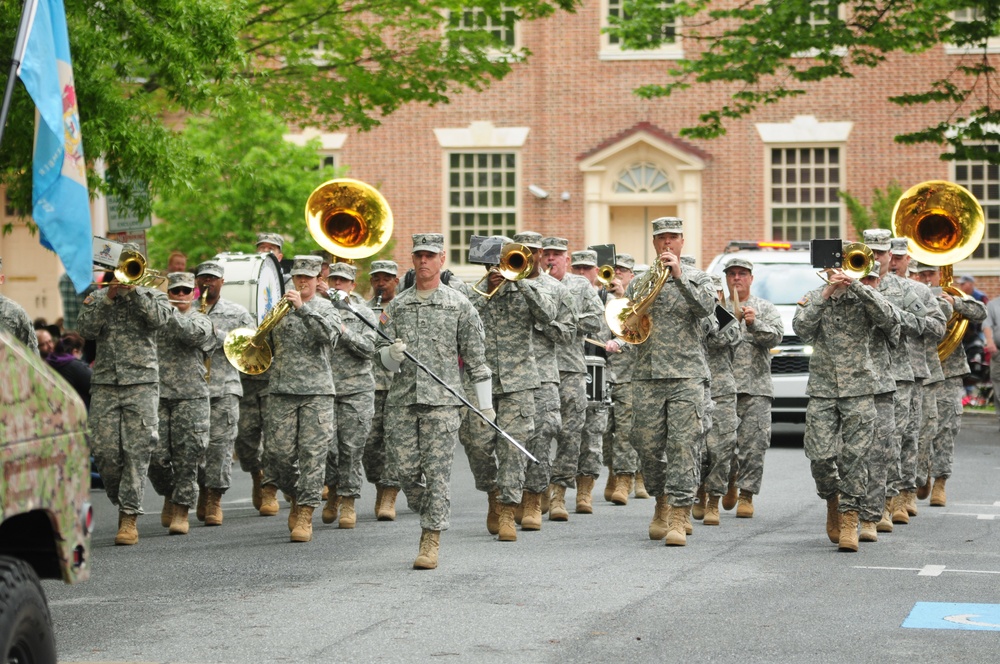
point(516, 263)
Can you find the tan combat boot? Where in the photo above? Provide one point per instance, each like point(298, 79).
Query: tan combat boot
point(532, 519)
point(911, 502)
point(557, 503)
point(898, 509)
point(293, 515)
point(885, 524)
point(519, 510)
point(430, 542)
point(507, 532)
point(688, 525)
point(698, 509)
point(303, 531)
point(331, 507)
point(623, 487)
point(493, 512)
point(379, 490)
point(848, 531)
point(744, 506)
point(609, 486)
point(937, 493)
point(640, 487)
point(268, 500)
point(677, 526)
point(711, 511)
point(658, 526)
point(729, 500)
point(213, 508)
point(256, 497)
point(868, 533)
point(833, 519)
point(348, 515)
point(387, 508)
point(167, 513)
point(127, 533)
point(924, 490)
point(545, 499)
point(584, 489)
point(199, 510)
point(179, 521)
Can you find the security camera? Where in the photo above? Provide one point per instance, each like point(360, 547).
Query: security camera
point(537, 191)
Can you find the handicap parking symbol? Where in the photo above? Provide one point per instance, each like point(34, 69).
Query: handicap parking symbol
point(950, 615)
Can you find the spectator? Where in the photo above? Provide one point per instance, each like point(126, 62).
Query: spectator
point(968, 285)
point(66, 360)
point(176, 262)
point(45, 343)
point(40, 323)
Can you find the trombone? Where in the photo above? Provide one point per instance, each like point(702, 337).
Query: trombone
point(516, 263)
point(858, 261)
point(132, 271)
point(605, 275)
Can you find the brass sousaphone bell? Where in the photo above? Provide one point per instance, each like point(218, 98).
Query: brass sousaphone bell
point(944, 224)
point(348, 218)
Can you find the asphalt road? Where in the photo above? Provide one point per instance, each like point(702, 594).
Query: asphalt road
point(595, 589)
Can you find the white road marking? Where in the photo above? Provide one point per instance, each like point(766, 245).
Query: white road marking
point(967, 619)
point(931, 570)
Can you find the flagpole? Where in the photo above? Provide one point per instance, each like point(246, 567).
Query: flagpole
point(15, 62)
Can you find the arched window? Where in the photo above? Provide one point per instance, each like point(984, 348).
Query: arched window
point(643, 178)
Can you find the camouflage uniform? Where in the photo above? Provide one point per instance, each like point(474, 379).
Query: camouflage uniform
point(225, 390)
point(421, 417)
point(124, 390)
point(355, 384)
point(573, 377)
point(619, 455)
point(373, 459)
point(668, 383)
point(300, 420)
point(508, 320)
point(720, 442)
point(755, 391)
point(955, 366)
point(184, 406)
point(880, 452)
point(840, 417)
point(14, 319)
point(548, 419)
point(931, 391)
point(250, 441)
point(598, 415)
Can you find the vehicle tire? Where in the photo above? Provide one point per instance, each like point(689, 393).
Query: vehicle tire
point(25, 624)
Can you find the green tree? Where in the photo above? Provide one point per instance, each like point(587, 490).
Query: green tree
point(879, 215)
point(755, 49)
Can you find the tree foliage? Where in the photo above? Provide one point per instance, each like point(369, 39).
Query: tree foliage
point(760, 50)
point(879, 214)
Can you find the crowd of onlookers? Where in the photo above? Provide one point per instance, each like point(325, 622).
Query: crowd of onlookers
point(66, 352)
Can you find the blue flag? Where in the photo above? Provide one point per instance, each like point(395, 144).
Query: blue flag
point(60, 202)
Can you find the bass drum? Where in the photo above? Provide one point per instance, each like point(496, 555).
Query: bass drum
point(252, 280)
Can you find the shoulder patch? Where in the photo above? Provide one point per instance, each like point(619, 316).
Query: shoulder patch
point(89, 299)
point(803, 302)
point(384, 318)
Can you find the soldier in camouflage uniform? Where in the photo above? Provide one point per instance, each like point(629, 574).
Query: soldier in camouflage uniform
point(300, 419)
point(184, 412)
point(668, 383)
point(934, 326)
point(548, 420)
point(384, 281)
point(508, 318)
point(225, 390)
point(124, 392)
point(355, 384)
point(762, 328)
point(910, 310)
point(422, 418)
point(14, 319)
point(837, 321)
point(573, 377)
point(955, 367)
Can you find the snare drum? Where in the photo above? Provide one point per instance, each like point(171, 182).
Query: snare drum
point(252, 280)
point(596, 386)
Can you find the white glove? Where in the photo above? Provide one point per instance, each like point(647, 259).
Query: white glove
point(489, 414)
point(397, 351)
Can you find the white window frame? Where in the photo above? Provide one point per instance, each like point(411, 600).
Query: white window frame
point(488, 209)
point(331, 145)
point(991, 208)
point(813, 21)
point(609, 51)
point(517, 49)
point(992, 44)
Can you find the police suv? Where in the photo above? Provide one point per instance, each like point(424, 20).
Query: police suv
point(782, 274)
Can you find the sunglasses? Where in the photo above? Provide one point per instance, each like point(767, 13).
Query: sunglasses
point(182, 290)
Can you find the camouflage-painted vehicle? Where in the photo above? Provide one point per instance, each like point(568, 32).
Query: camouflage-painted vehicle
point(45, 511)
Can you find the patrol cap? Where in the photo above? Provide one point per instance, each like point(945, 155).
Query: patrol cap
point(341, 269)
point(739, 262)
point(388, 267)
point(917, 266)
point(640, 269)
point(899, 246)
point(688, 259)
point(433, 242)
point(556, 243)
point(585, 258)
point(668, 225)
point(210, 269)
point(877, 238)
point(271, 238)
point(876, 269)
point(306, 266)
point(530, 239)
point(324, 254)
point(180, 280)
point(625, 261)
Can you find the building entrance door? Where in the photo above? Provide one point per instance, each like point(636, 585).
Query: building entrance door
point(631, 232)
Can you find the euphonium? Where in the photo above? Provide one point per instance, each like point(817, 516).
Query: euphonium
point(516, 263)
point(944, 224)
point(247, 349)
point(629, 319)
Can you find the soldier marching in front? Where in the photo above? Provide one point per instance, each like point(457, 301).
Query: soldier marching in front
point(184, 409)
point(124, 393)
point(422, 418)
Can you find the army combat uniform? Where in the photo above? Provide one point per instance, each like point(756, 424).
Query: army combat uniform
point(14, 319)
